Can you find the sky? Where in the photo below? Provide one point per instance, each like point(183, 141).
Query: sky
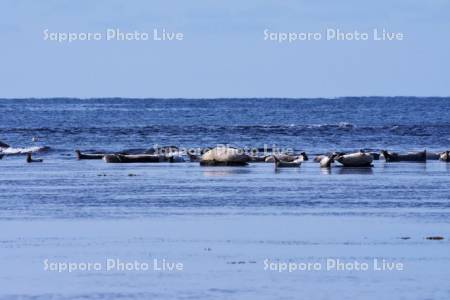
point(223, 53)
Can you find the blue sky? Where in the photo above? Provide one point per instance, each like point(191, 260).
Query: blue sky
point(224, 53)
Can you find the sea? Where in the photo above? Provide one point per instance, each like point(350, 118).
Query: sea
point(250, 232)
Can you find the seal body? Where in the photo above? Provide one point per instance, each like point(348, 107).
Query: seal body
point(433, 156)
point(287, 164)
point(287, 157)
point(81, 156)
point(224, 156)
point(359, 159)
point(282, 157)
point(326, 161)
point(142, 158)
point(31, 160)
point(411, 157)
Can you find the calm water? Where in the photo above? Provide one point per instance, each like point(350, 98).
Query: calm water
point(222, 223)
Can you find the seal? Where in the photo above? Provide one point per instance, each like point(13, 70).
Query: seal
point(174, 158)
point(141, 158)
point(304, 156)
point(286, 157)
point(433, 155)
point(286, 164)
point(31, 160)
point(81, 156)
point(326, 161)
point(358, 159)
point(445, 156)
point(375, 155)
point(411, 157)
point(193, 157)
point(224, 156)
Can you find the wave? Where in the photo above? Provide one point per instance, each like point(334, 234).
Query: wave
point(315, 138)
point(342, 125)
point(414, 129)
point(25, 150)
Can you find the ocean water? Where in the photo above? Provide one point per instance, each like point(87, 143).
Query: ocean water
point(224, 223)
point(315, 125)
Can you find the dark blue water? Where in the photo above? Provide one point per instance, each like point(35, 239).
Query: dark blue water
point(315, 125)
point(223, 222)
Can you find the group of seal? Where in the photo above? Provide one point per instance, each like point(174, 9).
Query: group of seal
point(231, 156)
point(364, 159)
point(360, 159)
point(162, 154)
point(421, 156)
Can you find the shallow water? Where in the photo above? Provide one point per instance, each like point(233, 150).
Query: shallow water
point(66, 188)
point(222, 223)
point(223, 257)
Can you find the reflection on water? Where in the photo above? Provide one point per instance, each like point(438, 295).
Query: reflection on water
point(411, 166)
point(224, 171)
point(325, 171)
point(283, 170)
point(355, 171)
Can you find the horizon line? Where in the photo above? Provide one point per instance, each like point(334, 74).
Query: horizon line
point(226, 98)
